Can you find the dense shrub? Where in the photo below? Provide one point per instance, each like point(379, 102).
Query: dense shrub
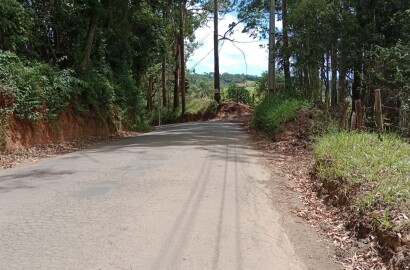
point(271, 113)
point(39, 90)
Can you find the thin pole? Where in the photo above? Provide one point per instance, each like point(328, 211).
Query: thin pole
point(271, 67)
point(159, 103)
point(217, 86)
point(182, 37)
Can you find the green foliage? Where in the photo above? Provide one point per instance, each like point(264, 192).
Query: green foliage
point(239, 94)
point(92, 55)
point(262, 86)
point(14, 24)
point(379, 169)
point(98, 89)
point(40, 90)
point(391, 68)
point(271, 113)
point(129, 102)
point(200, 105)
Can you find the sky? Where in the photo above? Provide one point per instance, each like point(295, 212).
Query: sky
point(231, 59)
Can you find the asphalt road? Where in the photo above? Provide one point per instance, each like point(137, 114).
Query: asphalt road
point(186, 196)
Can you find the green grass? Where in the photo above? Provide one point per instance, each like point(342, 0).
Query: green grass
point(373, 174)
point(270, 114)
point(193, 106)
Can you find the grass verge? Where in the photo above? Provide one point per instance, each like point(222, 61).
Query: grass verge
point(271, 113)
point(371, 175)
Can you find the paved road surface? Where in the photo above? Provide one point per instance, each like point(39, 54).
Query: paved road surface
point(187, 196)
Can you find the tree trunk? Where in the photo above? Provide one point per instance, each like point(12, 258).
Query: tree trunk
point(92, 27)
point(334, 77)
point(328, 86)
point(149, 94)
point(356, 83)
point(182, 56)
point(272, 51)
point(286, 64)
point(343, 55)
point(164, 82)
point(342, 75)
point(324, 75)
point(176, 74)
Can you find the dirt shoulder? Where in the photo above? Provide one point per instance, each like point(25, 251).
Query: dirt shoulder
point(31, 154)
point(317, 229)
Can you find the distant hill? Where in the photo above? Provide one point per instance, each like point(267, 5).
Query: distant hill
point(226, 79)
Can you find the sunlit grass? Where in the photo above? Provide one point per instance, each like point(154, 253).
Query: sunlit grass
point(200, 105)
point(372, 171)
point(270, 114)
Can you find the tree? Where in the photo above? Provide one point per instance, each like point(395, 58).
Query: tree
point(239, 94)
point(285, 38)
point(272, 50)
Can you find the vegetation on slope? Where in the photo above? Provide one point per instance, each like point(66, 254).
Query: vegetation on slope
point(371, 174)
point(270, 115)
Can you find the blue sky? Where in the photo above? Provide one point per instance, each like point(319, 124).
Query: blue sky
point(230, 58)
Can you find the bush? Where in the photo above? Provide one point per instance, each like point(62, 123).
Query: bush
point(40, 90)
point(239, 94)
point(271, 113)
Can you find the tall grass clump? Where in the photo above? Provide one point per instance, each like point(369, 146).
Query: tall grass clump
point(371, 172)
point(271, 113)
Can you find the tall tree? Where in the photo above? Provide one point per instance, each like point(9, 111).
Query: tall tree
point(285, 38)
point(272, 50)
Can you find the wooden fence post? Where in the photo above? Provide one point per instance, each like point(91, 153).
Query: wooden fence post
point(353, 121)
point(342, 123)
point(378, 110)
point(359, 114)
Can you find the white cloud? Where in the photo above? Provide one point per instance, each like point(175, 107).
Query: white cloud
point(231, 59)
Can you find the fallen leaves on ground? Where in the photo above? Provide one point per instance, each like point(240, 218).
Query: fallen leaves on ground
point(293, 160)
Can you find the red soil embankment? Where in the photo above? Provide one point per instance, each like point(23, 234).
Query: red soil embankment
point(68, 125)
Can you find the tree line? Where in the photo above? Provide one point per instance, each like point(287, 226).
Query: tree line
point(95, 55)
point(329, 50)
point(115, 56)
